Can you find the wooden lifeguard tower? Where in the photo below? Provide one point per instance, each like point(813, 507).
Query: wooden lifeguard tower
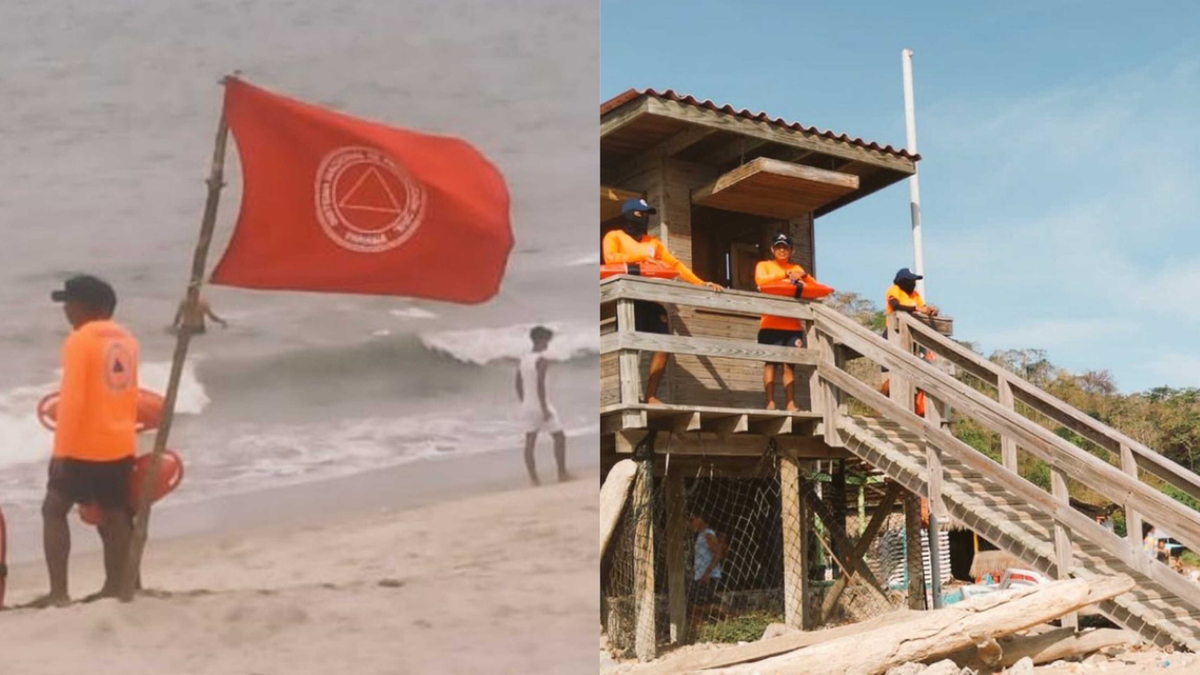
point(723, 181)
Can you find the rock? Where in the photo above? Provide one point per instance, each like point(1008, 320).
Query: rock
point(1094, 659)
point(946, 667)
point(908, 669)
point(1022, 667)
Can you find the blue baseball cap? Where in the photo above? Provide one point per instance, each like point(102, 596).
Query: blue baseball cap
point(906, 274)
point(632, 205)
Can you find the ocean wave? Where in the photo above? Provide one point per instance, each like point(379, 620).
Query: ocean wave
point(412, 313)
point(24, 440)
point(483, 346)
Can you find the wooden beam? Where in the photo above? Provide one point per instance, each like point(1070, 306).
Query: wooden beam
point(779, 134)
point(677, 293)
point(713, 444)
point(725, 425)
point(629, 367)
point(1062, 541)
point(679, 422)
point(645, 638)
point(912, 538)
point(1133, 519)
point(677, 538)
point(839, 540)
point(622, 116)
point(793, 513)
point(860, 547)
point(1008, 447)
point(669, 148)
point(704, 346)
point(735, 150)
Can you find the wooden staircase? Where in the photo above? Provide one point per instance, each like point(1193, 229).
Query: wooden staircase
point(991, 498)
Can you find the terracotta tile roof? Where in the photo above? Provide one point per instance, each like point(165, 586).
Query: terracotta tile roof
point(670, 95)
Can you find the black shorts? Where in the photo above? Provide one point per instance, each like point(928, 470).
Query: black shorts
point(103, 483)
point(781, 338)
point(703, 593)
point(650, 317)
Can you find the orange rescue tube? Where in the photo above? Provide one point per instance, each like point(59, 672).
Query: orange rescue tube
point(809, 289)
point(645, 269)
point(149, 412)
point(170, 475)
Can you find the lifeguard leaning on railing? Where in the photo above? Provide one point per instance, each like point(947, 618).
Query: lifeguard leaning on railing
point(632, 246)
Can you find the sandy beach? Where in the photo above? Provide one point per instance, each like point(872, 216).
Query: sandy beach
point(377, 573)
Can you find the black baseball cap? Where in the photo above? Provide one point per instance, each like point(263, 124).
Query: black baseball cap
point(87, 290)
point(632, 205)
point(906, 274)
point(781, 238)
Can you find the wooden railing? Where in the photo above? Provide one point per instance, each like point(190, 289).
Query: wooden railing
point(618, 334)
point(1131, 454)
point(906, 372)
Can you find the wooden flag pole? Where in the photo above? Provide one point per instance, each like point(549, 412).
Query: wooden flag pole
point(141, 523)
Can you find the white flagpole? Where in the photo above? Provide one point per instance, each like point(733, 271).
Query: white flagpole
point(914, 188)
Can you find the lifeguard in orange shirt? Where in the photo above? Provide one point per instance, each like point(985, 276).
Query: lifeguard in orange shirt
point(780, 331)
point(95, 437)
point(632, 244)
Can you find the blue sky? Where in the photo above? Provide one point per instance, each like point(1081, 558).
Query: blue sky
point(1060, 183)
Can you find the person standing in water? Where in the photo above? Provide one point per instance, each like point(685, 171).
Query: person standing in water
point(194, 320)
point(537, 415)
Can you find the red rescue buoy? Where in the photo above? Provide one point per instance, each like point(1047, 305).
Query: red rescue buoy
point(809, 289)
point(170, 475)
point(643, 269)
point(149, 410)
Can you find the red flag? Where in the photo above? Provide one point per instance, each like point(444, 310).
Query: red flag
point(337, 204)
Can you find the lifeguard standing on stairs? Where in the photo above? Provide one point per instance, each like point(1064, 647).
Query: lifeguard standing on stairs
point(902, 296)
point(633, 245)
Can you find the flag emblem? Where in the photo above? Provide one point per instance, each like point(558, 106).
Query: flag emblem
point(366, 201)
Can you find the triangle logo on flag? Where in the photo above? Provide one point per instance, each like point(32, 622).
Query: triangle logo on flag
point(371, 193)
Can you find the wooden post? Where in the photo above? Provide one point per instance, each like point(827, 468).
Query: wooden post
point(837, 505)
point(677, 531)
point(629, 367)
point(1008, 446)
point(645, 638)
point(1062, 541)
point(131, 574)
point(912, 545)
point(794, 515)
point(1133, 519)
point(898, 386)
point(828, 399)
point(860, 549)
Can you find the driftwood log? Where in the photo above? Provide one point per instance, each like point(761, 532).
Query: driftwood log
point(755, 651)
point(1060, 643)
point(940, 633)
point(612, 498)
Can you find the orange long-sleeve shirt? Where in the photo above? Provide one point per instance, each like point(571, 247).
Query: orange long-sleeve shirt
point(769, 271)
point(619, 247)
point(97, 408)
point(911, 301)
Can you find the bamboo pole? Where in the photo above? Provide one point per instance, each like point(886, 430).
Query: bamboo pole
point(141, 522)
